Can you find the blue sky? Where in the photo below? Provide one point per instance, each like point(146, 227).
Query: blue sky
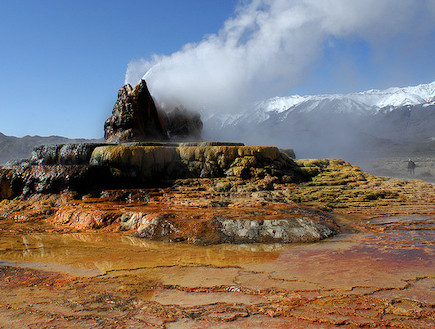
point(62, 62)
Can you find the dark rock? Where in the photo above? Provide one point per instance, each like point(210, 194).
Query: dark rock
point(134, 117)
point(24, 181)
point(5, 189)
point(289, 152)
point(63, 154)
point(184, 124)
point(126, 195)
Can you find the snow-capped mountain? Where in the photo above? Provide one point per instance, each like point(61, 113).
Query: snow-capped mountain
point(336, 124)
point(372, 99)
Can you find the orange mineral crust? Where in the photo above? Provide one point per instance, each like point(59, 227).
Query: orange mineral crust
point(216, 253)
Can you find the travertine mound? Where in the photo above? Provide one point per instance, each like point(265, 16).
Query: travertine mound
point(91, 167)
point(80, 154)
point(152, 163)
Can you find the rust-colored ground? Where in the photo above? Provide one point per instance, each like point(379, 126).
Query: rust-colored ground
point(378, 273)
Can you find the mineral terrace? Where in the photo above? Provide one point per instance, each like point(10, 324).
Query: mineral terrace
point(176, 233)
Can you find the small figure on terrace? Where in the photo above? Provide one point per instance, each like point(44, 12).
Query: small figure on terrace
point(411, 167)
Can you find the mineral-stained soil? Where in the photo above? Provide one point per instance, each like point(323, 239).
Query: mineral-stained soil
point(70, 261)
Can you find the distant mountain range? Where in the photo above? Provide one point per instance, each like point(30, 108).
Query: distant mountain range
point(370, 123)
point(374, 123)
point(21, 147)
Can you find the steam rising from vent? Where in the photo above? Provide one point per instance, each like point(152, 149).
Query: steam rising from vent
point(269, 47)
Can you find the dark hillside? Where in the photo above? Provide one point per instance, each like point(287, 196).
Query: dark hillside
point(20, 147)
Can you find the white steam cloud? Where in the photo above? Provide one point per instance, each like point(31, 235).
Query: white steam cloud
point(269, 46)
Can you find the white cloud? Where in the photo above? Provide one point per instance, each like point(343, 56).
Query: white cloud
point(269, 46)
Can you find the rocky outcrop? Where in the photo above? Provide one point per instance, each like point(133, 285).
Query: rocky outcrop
point(289, 152)
point(27, 180)
point(234, 230)
point(135, 117)
point(283, 230)
point(183, 124)
point(183, 218)
point(63, 154)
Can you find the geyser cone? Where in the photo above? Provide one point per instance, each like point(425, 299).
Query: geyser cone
point(134, 117)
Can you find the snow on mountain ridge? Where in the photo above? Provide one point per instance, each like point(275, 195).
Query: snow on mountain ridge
point(374, 99)
point(368, 102)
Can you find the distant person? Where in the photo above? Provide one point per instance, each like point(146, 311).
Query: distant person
point(411, 167)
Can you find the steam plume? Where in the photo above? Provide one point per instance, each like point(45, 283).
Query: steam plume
point(269, 46)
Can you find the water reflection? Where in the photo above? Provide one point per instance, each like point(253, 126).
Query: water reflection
point(108, 252)
point(387, 252)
